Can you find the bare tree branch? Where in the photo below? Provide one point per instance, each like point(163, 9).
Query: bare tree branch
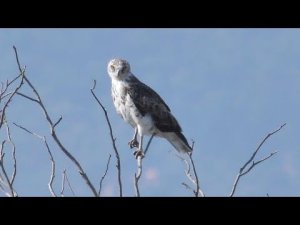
point(188, 187)
point(43, 138)
point(242, 172)
point(11, 96)
point(7, 181)
point(26, 96)
point(113, 140)
point(2, 96)
point(195, 173)
point(198, 191)
point(52, 130)
point(65, 178)
point(5, 87)
point(102, 178)
point(139, 161)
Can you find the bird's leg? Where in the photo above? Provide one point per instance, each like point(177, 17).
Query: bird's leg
point(139, 151)
point(134, 143)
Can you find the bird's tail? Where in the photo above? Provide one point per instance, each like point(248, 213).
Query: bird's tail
point(178, 140)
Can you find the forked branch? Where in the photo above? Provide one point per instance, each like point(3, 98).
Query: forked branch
point(52, 125)
point(244, 170)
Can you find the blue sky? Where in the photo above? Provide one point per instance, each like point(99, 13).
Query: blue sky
point(228, 88)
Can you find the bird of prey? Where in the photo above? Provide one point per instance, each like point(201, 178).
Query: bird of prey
point(141, 107)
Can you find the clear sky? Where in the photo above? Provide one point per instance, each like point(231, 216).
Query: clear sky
point(228, 88)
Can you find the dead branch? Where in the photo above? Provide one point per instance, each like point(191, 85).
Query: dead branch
point(63, 183)
point(52, 127)
point(13, 176)
point(113, 139)
point(43, 138)
point(104, 175)
point(197, 191)
point(242, 172)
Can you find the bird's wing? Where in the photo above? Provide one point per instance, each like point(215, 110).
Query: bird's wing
point(148, 101)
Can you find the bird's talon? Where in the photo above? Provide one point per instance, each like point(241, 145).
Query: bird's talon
point(133, 143)
point(138, 153)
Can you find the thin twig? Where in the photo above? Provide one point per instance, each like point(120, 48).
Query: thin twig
point(53, 133)
point(69, 184)
point(26, 96)
point(64, 179)
point(138, 175)
point(11, 96)
point(197, 192)
point(255, 163)
point(58, 121)
point(2, 96)
point(13, 154)
point(104, 175)
point(242, 172)
point(22, 73)
point(63, 183)
point(52, 176)
point(198, 189)
point(188, 187)
point(194, 170)
point(43, 138)
point(113, 140)
point(17, 58)
point(4, 89)
point(148, 144)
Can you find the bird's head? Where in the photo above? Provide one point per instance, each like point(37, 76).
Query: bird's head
point(118, 69)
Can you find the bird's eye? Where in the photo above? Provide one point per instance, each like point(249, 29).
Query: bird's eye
point(112, 68)
point(123, 69)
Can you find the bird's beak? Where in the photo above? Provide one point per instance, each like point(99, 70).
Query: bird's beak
point(119, 73)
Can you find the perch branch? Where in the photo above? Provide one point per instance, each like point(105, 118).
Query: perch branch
point(139, 161)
